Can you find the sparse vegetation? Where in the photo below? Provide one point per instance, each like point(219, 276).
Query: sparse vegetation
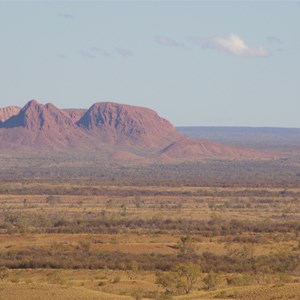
point(171, 241)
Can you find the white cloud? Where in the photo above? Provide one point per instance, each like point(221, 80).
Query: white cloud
point(234, 45)
point(167, 42)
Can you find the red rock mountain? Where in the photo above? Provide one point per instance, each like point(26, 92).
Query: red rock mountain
point(7, 112)
point(39, 126)
point(128, 125)
point(121, 132)
point(35, 116)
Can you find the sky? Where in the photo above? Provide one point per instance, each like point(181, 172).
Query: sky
point(197, 63)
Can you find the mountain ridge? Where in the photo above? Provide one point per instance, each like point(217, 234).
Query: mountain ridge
point(125, 132)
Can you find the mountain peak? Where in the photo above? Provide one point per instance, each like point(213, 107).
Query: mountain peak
point(36, 116)
point(42, 126)
point(32, 102)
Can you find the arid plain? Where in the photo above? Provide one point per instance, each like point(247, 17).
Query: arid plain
point(111, 208)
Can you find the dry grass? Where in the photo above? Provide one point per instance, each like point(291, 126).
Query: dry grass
point(52, 292)
point(84, 284)
point(178, 204)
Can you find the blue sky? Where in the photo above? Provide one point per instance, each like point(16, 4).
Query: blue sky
point(226, 63)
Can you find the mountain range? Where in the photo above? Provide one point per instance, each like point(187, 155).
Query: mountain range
point(122, 132)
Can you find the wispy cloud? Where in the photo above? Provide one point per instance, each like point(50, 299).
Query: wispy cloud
point(124, 52)
point(234, 45)
point(61, 55)
point(274, 40)
point(66, 15)
point(101, 51)
point(87, 54)
point(96, 52)
point(275, 43)
point(167, 42)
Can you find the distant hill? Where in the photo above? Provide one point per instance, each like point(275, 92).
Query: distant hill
point(193, 150)
point(120, 132)
point(261, 138)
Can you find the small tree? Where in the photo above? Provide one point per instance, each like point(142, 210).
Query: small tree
point(211, 280)
point(188, 273)
point(181, 280)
